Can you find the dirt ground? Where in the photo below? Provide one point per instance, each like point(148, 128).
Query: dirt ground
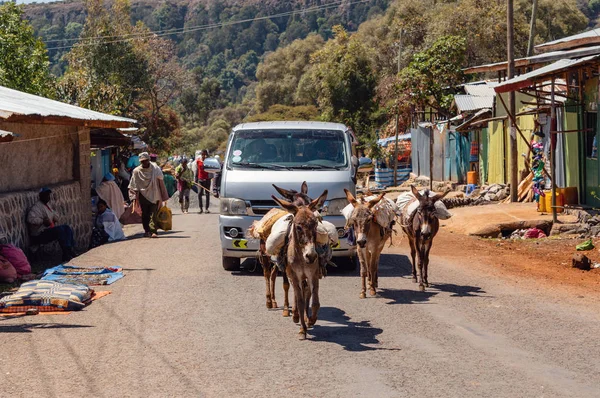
point(545, 262)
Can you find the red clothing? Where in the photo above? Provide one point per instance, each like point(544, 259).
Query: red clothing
point(202, 175)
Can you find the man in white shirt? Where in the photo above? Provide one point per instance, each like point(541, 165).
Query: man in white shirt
point(42, 221)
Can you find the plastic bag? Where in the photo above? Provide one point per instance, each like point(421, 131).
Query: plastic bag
point(164, 218)
point(132, 214)
point(587, 245)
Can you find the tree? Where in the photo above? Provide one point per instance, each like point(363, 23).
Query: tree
point(345, 81)
point(280, 73)
point(24, 63)
point(432, 75)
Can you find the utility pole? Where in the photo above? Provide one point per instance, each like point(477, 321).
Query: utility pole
point(397, 119)
point(532, 28)
point(514, 159)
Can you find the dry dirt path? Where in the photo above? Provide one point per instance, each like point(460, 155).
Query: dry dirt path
point(178, 325)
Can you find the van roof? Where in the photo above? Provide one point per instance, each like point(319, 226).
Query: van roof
point(298, 125)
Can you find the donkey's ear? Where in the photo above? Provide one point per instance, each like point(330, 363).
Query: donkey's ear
point(288, 194)
point(290, 207)
point(415, 192)
point(318, 202)
point(373, 202)
point(439, 196)
point(350, 198)
point(304, 188)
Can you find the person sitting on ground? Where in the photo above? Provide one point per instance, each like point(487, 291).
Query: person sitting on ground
point(42, 221)
point(185, 178)
point(107, 227)
point(148, 189)
point(109, 191)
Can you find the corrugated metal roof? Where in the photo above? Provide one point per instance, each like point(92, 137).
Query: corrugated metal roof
point(468, 102)
point(536, 59)
point(19, 106)
point(480, 90)
point(527, 79)
point(590, 36)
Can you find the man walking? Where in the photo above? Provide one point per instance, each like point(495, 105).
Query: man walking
point(147, 188)
point(185, 178)
point(204, 180)
point(42, 220)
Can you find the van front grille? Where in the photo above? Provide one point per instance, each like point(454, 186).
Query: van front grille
point(262, 207)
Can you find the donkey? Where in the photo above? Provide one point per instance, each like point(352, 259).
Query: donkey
point(303, 269)
point(269, 271)
point(421, 227)
point(370, 238)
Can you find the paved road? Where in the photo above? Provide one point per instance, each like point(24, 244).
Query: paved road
point(178, 325)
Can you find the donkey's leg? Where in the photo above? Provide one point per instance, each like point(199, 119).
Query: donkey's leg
point(272, 286)
point(375, 269)
point(266, 266)
point(286, 292)
point(370, 269)
point(316, 304)
point(307, 296)
point(299, 298)
point(363, 272)
point(413, 253)
point(421, 254)
point(427, 248)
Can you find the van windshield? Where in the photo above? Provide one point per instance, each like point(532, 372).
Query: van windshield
point(288, 149)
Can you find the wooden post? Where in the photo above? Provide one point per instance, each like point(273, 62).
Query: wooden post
point(513, 149)
point(431, 155)
point(553, 138)
point(396, 152)
point(532, 28)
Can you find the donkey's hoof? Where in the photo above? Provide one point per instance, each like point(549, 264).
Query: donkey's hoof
point(414, 279)
point(274, 304)
point(426, 284)
point(372, 292)
point(296, 318)
point(302, 334)
point(286, 312)
point(269, 305)
point(310, 323)
point(422, 288)
point(363, 295)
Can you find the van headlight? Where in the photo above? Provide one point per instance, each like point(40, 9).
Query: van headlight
point(233, 207)
point(334, 207)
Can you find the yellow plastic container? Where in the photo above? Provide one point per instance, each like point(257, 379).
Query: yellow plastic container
point(560, 201)
point(471, 177)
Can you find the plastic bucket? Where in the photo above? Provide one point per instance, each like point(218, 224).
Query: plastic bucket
point(560, 201)
point(471, 177)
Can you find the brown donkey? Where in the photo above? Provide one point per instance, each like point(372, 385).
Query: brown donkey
point(370, 238)
point(269, 270)
point(302, 267)
point(421, 227)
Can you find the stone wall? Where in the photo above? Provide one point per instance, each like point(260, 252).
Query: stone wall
point(67, 200)
point(40, 155)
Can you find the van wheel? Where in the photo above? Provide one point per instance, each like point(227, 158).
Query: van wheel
point(231, 263)
point(346, 264)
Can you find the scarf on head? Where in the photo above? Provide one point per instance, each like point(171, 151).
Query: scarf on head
point(145, 181)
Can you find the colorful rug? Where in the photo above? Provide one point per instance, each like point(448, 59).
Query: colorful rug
point(90, 276)
point(95, 296)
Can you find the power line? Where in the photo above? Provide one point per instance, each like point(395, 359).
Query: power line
point(132, 36)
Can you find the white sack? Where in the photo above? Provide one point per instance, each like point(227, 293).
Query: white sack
point(276, 239)
point(407, 200)
point(326, 233)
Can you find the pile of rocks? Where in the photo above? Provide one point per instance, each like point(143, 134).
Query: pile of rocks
point(491, 193)
point(587, 225)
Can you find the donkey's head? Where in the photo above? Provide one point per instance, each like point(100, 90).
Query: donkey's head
point(426, 217)
point(304, 226)
point(297, 198)
point(362, 216)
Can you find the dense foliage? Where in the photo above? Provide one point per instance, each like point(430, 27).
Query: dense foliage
point(237, 62)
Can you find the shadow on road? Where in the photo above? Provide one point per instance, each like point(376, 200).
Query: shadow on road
point(390, 265)
point(161, 234)
point(353, 336)
point(139, 269)
point(27, 327)
point(402, 296)
point(459, 290)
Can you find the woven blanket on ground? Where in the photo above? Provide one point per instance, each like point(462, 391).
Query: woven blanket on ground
point(89, 276)
point(17, 311)
point(47, 296)
point(384, 211)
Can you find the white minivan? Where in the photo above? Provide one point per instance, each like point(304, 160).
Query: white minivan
point(285, 154)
